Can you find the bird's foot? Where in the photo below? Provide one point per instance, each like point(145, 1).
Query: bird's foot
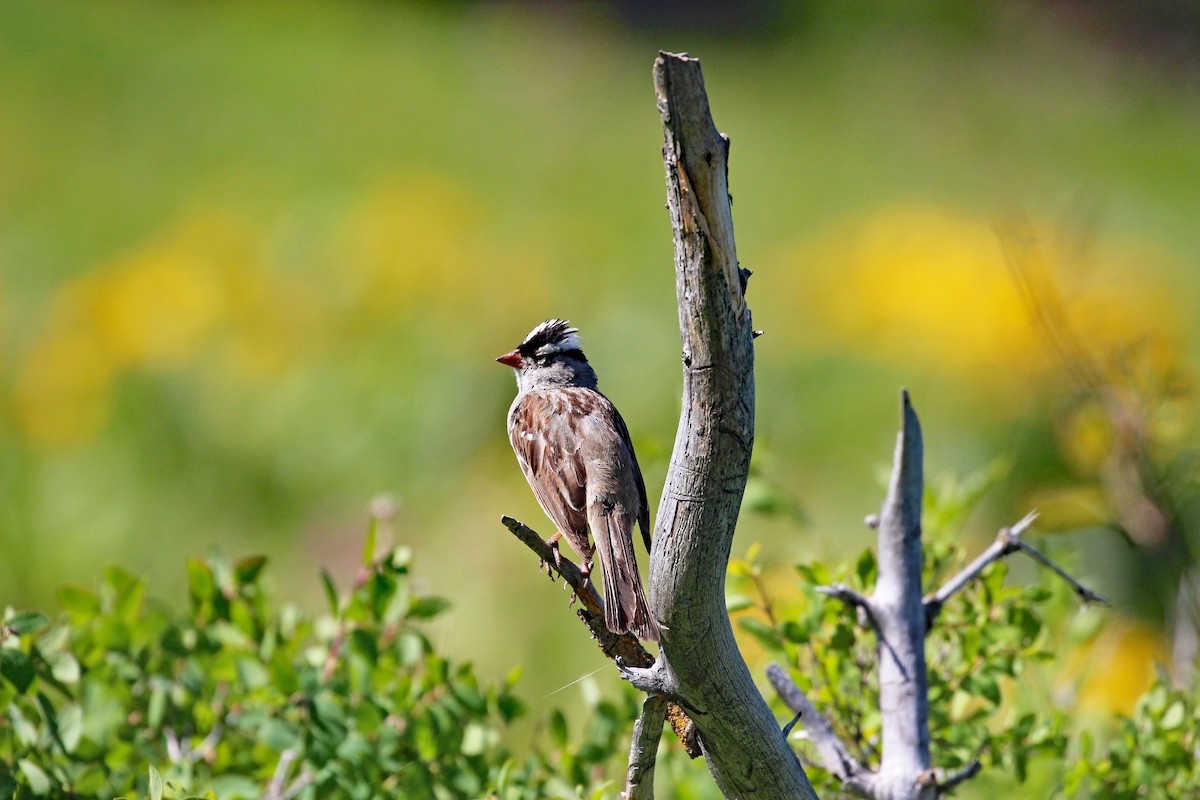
point(557, 563)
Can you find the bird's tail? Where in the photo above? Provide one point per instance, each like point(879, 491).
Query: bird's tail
point(625, 606)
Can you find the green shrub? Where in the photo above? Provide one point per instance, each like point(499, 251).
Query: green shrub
point(240, 698)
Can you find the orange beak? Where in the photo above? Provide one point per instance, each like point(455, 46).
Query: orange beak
point(512, 359)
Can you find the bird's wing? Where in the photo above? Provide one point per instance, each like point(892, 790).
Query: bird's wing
point(644, 512)
point(548, 449)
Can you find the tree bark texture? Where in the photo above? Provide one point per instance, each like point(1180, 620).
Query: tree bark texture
point(898, 611)
point(699, 662)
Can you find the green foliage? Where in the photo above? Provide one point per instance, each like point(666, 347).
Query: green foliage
point(238, 698)
point(985, 639)
point(1151, 755)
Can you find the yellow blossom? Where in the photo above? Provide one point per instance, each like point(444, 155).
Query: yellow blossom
point(62, 391)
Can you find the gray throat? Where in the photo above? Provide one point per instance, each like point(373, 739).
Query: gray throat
point(561, 372)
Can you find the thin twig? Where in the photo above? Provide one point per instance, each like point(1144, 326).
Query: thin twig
point(275, 788)
point(963, 775)
point(1086, 595)
point(835, 755)
point(299, 785)
point(1008, 541)
point(622, 648)
point(856, 600)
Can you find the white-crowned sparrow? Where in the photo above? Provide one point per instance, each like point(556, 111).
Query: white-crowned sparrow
point(575, 452)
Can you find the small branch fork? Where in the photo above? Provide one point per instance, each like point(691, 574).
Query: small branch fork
point(901, 620)
point(1008, 541)
point(627, 653)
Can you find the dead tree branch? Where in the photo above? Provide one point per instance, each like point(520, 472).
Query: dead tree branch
point(699, 667)
point(639, 780)
point(699, 662)
point(901, 620)
point(900, 617)
point(835, 755)
point(623, 648)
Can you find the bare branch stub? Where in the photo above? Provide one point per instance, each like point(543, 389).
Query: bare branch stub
point(900, 618)
point(963, 775)
point(639, 780)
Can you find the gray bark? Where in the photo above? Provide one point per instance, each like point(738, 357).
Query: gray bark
point(899, 615)
point(901, 619)
point(699, 663)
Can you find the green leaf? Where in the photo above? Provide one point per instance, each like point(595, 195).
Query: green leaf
point(156, 784)
point(280, 735)
point(368, 553)
point(235, 787)
point(737, 602)
point(64, 667)
point(122, 593)
point(364, 643)
point(80, 604)
point(865, 568)
point(1174, 715)
point(248, 569)
point(815, 573)
point(427, 607)
point(70, 727)
point(331, 595)
point(842, 639)
point(8, 784)
point(558, 728)
point(474, 741)
point(795, 632)
point(17, 668)
point(39, 781)
point(201, 583)
point(25, 622)
point(761, 631)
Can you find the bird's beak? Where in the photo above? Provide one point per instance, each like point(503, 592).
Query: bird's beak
point(512, 359)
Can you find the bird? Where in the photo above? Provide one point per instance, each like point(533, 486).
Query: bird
point(575, 451)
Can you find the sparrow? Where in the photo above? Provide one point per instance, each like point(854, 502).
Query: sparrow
point(576, 454)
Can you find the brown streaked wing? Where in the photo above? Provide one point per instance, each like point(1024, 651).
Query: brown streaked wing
point(548, 452)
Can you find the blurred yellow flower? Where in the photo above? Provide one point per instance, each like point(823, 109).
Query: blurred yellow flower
point(916, 283)
point(913, 284)
point(410, 242)
point(1114, 669)
point(1086, 436)
point(61, 395)
point(155, 308)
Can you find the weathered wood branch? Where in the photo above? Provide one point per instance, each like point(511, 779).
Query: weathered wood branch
point(699, 662)
point(963, 775)
point(639, 779)
point(900, 618)
point(623, 648)
point(835, 755)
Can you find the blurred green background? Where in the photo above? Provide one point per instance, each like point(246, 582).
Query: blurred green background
point(256, 260)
